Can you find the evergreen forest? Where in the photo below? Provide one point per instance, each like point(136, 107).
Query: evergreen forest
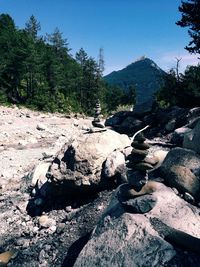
point(184, 89)
point(39, 72)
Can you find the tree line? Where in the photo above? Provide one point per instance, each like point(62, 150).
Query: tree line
point(184, 89)
point(39, 72)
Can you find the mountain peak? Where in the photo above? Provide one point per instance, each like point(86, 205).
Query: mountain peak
point(140, 59)
point(143, 73)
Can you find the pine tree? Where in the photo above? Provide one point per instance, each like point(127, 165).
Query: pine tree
point(32, 27)
point(191, 18)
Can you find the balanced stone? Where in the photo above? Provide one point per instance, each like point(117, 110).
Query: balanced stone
point(138, 152)
point(138, 166)
point(97, 116)
point(140, 137)
point(140, 145)
point(143, 166)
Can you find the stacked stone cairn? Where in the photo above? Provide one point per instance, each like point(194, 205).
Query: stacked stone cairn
point(138, 165)
point(97, 116)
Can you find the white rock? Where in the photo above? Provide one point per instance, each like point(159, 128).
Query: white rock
point(39, 174)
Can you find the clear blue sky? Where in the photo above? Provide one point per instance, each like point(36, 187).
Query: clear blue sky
point(125, 29)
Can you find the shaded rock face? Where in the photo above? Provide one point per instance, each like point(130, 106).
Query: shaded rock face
point(178, 135)
point(130, 125)
point(192, 139)
point(78, 166)
point(181, 169)
point(162, 121)
point(125, 241)
point(123, 238)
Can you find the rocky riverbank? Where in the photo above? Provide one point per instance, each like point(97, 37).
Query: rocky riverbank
point(28, 138)
point(58, 180)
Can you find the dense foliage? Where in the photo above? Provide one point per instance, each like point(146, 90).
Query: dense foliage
point(191, 18)
point(40, 72)
point(184, 89)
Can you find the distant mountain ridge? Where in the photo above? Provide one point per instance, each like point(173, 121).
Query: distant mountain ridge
point(144, 73)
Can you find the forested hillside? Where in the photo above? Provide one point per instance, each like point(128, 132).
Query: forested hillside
point(144, 74)
point(39, 72)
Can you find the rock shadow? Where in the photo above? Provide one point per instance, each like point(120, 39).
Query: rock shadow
point(75, 250)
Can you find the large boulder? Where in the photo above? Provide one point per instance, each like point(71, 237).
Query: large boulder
point(191, 139)
point(78, 165)
point(181, 169)
point(118, 118)
point(193, 117)
point(129, 125)
point(128, 239)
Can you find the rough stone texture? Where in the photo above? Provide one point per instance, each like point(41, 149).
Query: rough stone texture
point(79, 163)
point(140, 204)
point(183, 179)
point(160, 155)
point(124, 239)
point(193, 117)
point(170, 126)
point(178, 135)
point(192, 139)
point(114, 164)
point(181, 169)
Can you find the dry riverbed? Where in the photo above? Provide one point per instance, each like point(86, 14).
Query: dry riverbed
point(26, 138)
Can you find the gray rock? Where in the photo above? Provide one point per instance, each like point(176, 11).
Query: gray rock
point(160, 155)
point(46, 222)
point(78, 166)
point(115, 163)
point(98, 124)
point(130, 125)
point(178, 135)
point(41, 127)
point(136, 178)
point(191, 139)
point(128, 240)
point(113, 121)
point(127, 151)
point(193, 113)
point(179, 170)
point(140, 204)
point(170, 126)
point(189, 198)
point(124, 239)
